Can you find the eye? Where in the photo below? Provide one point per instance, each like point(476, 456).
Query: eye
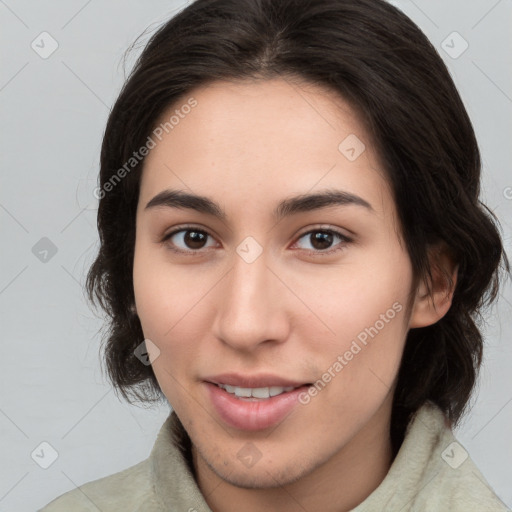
point(189, 239)
point(321, 240)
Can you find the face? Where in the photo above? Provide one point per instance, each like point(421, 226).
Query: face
point(302, 298)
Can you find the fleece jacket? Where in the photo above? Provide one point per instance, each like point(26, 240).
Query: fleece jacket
point(431, 472)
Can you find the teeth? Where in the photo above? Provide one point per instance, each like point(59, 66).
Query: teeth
point(256, 392)
point(261, 392)
point(277, 390)
point(246, 392)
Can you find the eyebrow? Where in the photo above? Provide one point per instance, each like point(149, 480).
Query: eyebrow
point(293, 205)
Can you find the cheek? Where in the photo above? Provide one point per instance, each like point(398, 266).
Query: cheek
point(350, 298)
point(162, 308)
point(360, 317)
point(160, 292)
point(173, 307)
point(153, 293)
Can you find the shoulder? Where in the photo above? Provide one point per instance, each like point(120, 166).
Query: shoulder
point(129, 490)
point(455, 483)
point(451, 480)
point(431, 472)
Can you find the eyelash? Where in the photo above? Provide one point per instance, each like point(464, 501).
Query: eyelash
point(345, 240)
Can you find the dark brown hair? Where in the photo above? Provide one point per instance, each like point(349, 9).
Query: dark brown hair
point(381, 63)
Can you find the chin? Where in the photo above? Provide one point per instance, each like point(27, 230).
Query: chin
point(260, 477)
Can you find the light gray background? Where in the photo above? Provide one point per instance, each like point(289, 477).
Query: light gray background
point(54, 112)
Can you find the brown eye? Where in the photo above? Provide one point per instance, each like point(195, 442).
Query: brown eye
point(187, 239)
point(321, 240)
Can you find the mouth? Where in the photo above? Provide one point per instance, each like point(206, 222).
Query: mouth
point(253, 403)
point(261, 386)
point(256, 394)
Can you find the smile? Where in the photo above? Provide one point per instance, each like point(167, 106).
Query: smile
point(253, 408)
point(256, 393)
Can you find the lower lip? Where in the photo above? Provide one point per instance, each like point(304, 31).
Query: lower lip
point(253, 415)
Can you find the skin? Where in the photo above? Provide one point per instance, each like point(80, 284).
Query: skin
point(292, 311)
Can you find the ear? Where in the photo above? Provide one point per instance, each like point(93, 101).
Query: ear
point(430, 308)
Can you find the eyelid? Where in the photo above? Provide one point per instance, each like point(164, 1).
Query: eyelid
point(325, 227)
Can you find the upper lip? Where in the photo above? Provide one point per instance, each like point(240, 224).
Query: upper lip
point(262, 380)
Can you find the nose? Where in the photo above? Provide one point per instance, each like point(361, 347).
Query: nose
point(252, 306)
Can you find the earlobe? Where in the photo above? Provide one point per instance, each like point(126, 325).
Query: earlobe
point(429, 308)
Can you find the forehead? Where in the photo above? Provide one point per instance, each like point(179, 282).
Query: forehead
point(261, 138)
point(281, 106)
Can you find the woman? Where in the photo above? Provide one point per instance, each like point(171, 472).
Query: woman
point(293, 255)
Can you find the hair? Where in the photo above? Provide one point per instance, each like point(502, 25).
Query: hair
point(376, 59)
